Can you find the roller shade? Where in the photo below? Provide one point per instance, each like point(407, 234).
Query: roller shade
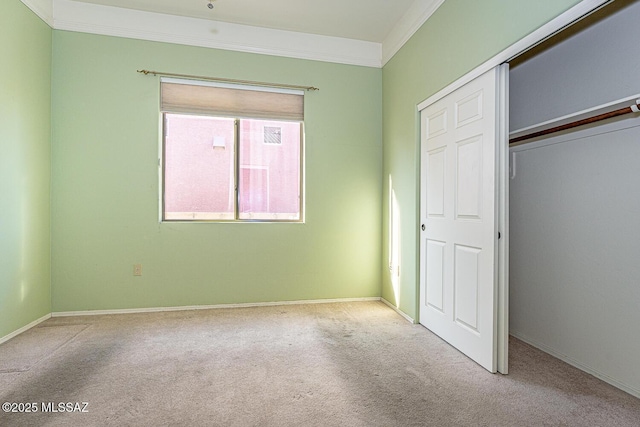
point(231, 100)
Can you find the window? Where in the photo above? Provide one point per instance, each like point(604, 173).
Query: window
point(231, 153)
point(272, 135)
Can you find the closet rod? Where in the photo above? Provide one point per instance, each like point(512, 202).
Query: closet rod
point(604, 116)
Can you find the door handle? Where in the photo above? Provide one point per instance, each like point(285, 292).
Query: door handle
point(423, 227)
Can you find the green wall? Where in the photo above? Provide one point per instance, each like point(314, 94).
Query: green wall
point(101, 165)
point(105, 185)
point(461, 35)
point(25, 132)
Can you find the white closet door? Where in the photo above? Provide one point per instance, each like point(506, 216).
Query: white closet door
point(459, 217)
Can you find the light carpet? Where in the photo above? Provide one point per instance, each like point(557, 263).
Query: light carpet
point(343, 364)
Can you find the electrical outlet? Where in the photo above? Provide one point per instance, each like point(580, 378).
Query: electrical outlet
point(137, 269)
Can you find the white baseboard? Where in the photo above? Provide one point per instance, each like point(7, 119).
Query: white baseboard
point(616, 383)
point(208, 307)
point(25, 328)
point(400, 312)
point(198, 307)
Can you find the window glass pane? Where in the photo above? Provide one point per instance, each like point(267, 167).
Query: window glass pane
point(269, 170)
point(198, 167)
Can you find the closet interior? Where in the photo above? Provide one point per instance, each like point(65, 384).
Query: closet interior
point(574, 196)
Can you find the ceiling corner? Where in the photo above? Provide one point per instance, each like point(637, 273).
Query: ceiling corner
point(417, 14)
point(42, 8)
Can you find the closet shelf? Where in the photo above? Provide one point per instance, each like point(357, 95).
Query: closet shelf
point(591, 115)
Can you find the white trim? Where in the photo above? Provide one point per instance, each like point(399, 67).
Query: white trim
point(576, 12)
point(113, 21)
point(119, 22)
point(622, 386)
point(502, 244)
point(208, 307)
point(25, 328)
point(417, 14)
point(374, 54)
point(397, 310)
point(42, 8)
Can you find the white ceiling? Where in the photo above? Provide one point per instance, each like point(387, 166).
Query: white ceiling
point(369, 20)
point(355, 32)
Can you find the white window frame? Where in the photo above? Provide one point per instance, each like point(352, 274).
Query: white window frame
point(267, 217)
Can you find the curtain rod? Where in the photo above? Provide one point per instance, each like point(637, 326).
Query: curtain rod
point(223, 80)
point(593, 119)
